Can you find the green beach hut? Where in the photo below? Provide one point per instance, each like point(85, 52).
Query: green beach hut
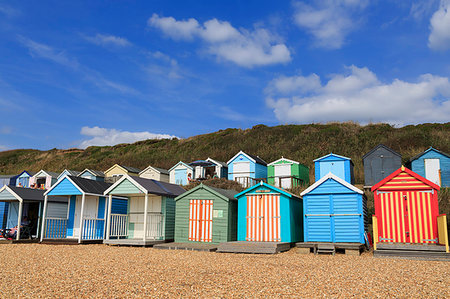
point(206, 214)
point(287, 173)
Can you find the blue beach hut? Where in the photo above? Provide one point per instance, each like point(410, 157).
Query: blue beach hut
point(95, 175)
point(433, 165)
point(334, 211)
point(247, 169)
point(84, 220)
point(340, 166)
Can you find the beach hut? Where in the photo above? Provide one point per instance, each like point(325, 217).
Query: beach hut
point(155, 173)
point(338, 165)
point(150, 218)
point(181, 174)
point(43, 179)
point(116, 171)
point(26, 202)
point(434, 165)
point(84, 220)
point(406, 210)
point(334, 211)
point(23, 179)
point(67, 172)
point(269, 214)
point(92, 175)
point(206, 214)
point(209, 168)
point(380, 162)
point(247, 169)
point(287, 173)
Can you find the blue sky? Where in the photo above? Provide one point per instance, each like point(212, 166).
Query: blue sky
point(80, 73)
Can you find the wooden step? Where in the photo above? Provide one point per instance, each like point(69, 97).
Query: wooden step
point(409, 247)
point(413, 254)
point(326, 248)
point(253, 247)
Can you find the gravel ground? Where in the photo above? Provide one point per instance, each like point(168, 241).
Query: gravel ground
point(33, 270)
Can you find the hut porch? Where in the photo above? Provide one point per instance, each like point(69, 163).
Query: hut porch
point(348, 248)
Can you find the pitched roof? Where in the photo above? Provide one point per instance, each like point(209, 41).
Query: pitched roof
point(90, 186)
point(334, 155)
point(226, 194)
point(276, 189)
point(160, 170)
point(430, 149)
point(70, 172)
point(181, 162)
point(29, 194)
point(283, 159)
point(223, 164)
point(257, 159)
point(93, 172)
point(333, 177)
point(30, 173)
point(383, 146)
point(131, 169)
point(159, 188)
point(52, 174)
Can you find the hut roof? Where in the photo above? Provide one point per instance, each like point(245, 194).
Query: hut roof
point(225, 194)
point(430, 149)
point(411, 173)
point(383, 146)
point(333, 177)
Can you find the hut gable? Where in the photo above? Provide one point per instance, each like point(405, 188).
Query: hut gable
point(92, 174)
point(117, 170)
point(287, 173)
point(380, 162)
point(331, 183)
point(68, 172)
point(404, 179)
point(433, 165)
point(155, 173)
point(339, 165)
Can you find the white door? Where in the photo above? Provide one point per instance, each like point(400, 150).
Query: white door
point(282, 174)
point(90, 211)
point(432, 170)
point(241, 171)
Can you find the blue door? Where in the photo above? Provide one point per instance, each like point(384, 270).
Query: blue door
point(317, 219)
point(181, 176)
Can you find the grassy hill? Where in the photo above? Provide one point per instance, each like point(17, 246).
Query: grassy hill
point(303, 143)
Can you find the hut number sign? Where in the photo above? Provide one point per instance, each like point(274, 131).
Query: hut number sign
point(262, 191)
point(217, 213)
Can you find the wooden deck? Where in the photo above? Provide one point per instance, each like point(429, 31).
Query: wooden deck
point(412, 251)
point(315, 247)
point(69, 241)
point(253, 247)
point(133, 242)
point(4, 241)
point(193, 246)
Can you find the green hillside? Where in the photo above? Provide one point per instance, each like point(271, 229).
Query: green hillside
point(303, 143)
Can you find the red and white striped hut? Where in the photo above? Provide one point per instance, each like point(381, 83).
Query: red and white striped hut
point(406, 210)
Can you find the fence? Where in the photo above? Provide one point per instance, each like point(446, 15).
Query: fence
point(93, 229)
point(155, 226)
point(119, 225)
point(55, 228)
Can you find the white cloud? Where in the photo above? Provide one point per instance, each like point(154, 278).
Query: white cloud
point(108, 40)
point(360, 96)
point(242, 47)
point(439, 38)
point(102, 136)
point(329, 21)
point(421, 8)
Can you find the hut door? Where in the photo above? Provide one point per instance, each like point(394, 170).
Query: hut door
point(419, 218)
point(432, 169)
point(200, 220)
point(283, 176)
point(263, 218)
